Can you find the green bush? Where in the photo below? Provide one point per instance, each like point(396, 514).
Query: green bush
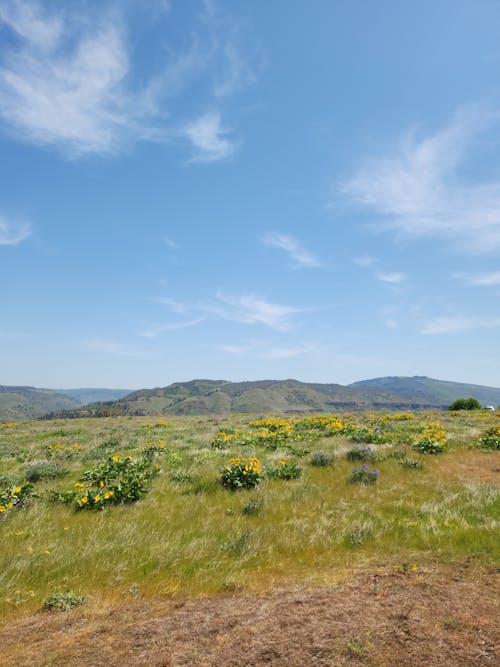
point(63, 601)
point(465, 404)
point(490, 439)
point(286, 469)
point(241, 473)
point(39, 470)
point(322, 459)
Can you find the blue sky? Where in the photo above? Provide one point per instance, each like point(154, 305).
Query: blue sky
point(247, 190)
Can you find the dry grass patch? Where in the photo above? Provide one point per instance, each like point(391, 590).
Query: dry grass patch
point(433, 618)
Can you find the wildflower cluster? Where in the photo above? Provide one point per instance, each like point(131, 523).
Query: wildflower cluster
point(323, 424)
point(490, 439)
point(433, 440)
point(224, 438)
point(285, 469)
point(61, 451)
point(367, 434)
point(364, 475)
point(120, 479)
point(241, 473)
point(15, 495)
point(8, 424)
point(153, 447)
point(159, 424)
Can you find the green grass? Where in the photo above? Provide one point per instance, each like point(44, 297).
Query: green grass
point(190, 536)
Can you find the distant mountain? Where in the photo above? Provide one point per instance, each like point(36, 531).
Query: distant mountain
point(22, 403)
point(85, 395)
point(440, 392)
point(207, 397)
point(204, 397)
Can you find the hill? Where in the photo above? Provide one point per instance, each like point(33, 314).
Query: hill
point(205, 397)
point(440, 392)
point(22, 403)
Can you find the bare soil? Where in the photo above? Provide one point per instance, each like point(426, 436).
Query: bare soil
point(445, 618)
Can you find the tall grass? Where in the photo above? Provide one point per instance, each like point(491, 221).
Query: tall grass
point(193, 537)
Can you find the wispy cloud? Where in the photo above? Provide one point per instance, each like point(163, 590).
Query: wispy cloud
point(452, 325)
point(420, 190)
point(364, 260)
point(112, 347)
point(300, 257)
point(68, 81)
point(480, 279)
point(12, 232)
point(392, 278)
point(154, 332)
point(266, 350)
point(208, 139)
point(170, 243)
point(244, 308)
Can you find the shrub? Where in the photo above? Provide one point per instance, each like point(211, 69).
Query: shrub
point(13, 496)
point(490, 439)
point(364, 475)
point(322, 459)
point(433, 440)
point(360, 454)
point(411, 464)
point(286, 469)
point(63, 601)
point(241, 473)
point(465, 404)
point(39, 470)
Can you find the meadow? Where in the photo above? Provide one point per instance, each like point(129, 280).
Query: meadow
point(124, 509)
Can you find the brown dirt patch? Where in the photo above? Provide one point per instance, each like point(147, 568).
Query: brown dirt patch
point(472, 467)
point(381, 619)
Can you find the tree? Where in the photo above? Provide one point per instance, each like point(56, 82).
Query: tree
point(465, 404)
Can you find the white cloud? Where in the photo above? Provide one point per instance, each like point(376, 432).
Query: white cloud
point(67, 80)
point(245, 308)
point(420, 191)
point(13, 232)
point(170, 243)
point(481, 279)
point(153, 332)
point(265, 350)
point(364, 260)
point(301, 257)
point(447, 325)
point(206, 135)
point(392, 278)
point(251, 309)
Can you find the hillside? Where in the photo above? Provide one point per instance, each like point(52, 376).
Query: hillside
point(205, 397)
point(421, 388)
point(22, 403)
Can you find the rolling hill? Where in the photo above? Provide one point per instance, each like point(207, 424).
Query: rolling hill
point(202, 397)
point(22, 403)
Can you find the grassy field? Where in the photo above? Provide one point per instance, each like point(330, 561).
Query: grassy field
point(307, 521)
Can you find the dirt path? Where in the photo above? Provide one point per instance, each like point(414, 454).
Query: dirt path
point(391, 619)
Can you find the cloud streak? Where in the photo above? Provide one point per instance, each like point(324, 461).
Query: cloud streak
point(208, 139)
point(68, 82)
point(420, 192)
point(453, 325)
point(13, 232)
point(300, 257)
point(243, 308)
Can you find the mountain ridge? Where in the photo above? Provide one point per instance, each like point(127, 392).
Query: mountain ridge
point(218, 397)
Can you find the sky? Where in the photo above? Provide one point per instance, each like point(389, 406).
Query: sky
point(245, 190)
